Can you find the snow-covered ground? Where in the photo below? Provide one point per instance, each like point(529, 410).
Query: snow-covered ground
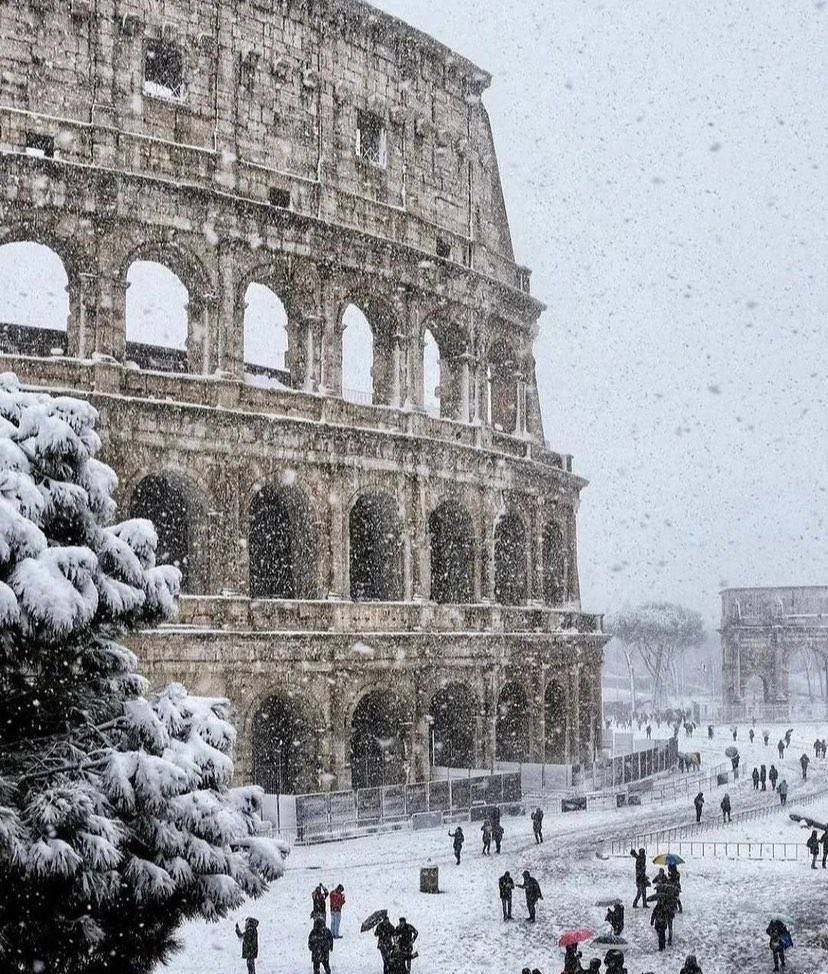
point(727, 905)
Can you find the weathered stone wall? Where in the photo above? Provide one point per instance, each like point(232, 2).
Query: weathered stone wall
point(272, 92)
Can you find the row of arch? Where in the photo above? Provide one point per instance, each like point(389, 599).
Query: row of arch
point(285, 742)
point(35, 294)
point(284, 543)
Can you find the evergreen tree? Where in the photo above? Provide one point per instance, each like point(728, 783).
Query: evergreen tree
point(117, 821)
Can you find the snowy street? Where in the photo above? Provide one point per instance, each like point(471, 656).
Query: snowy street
point(726, 904)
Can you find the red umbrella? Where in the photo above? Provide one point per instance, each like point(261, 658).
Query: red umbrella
point(575, 937)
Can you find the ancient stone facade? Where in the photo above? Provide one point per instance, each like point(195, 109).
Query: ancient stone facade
point(762, 628)
point(349, 567)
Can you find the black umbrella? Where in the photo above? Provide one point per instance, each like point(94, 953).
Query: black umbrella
point(373, 920)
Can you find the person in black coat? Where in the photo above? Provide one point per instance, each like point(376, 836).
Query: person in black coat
point(755, 777)
point(533, 893)
point(615, 918)
point(384, 932)
point(406, 934)
point(320, 945)
point(537, 825)
point(660, 920)
point(813, 847)
point(824, 842)
point(781, 748)
point(778, 933)
point(763, 777)
point(725, 805)
point(459, 839)
point(698, 801)
point(497, 835)
point(505, 886)
point(250, 942)
point(804, 761)
point(691, 966)
point(773, 777)
point(486, 829)
point(641, 881)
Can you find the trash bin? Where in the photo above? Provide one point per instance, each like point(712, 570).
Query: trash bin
point(620, 800)
point(429, 879)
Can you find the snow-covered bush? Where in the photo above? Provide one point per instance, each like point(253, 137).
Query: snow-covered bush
point(117, 820)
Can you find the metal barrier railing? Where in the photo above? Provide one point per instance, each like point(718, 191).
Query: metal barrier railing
point(778, 851)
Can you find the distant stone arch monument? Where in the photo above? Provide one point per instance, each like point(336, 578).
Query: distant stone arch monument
point(762, 628)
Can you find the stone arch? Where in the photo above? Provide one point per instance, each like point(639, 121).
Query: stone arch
point(755, 689)
point(453, 348)
point(454, 710)
point(178, 510)
point(554, 709)
point(452, 553)
point(265, 333)
point(359, 308)
point(375, 548)
point(282, 545)
point(183, 330)
point(512, 724)
point(510, 541)
point(285, 747)
point(378, 743)
point(555, 566)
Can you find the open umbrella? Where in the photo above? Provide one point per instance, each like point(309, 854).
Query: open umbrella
point(575, 937)
point(731, 751)
point(609, 902)
point(373, 920)
point(611, 939)
point(668, 859)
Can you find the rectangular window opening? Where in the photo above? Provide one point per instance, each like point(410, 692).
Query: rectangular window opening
point(42, 146)
point(280, 198)
point(164, 71)
point(372, 140)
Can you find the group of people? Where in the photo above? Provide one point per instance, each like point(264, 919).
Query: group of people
point(814, 844)
point(666, 896)
point(762, 775)
point(396, 945)
point(530, 887)
point(321, 938)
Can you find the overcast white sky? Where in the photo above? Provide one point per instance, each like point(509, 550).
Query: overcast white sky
point(664, 168)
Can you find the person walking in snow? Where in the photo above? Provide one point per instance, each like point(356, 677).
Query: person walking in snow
point(765, 737)
point(781, 748)
point(804, 761)
point(755, 777)
point(751, 734)
point(675, 879)
point(725, 806)
point(660, 920)
point(320, 945)
point(337, 901)
point(788, 733)
point(649, 731)
point(824, 843)
point(698, 801)
point(537, 825)
point(734, 731)
point(641, 881)
point(783, 791)
point(773, 776)
point(505, 887)
point(710, 732)
point(406, 933)
point(572, 960)
point(691, 965)
point(615, 918)
point(812, 846)
point(763, 777)
point(778, 933)
point(486, 829)
point(497, 835)
point(459, 839)
point(250, 942)
point(384, 932)
point(532, 889)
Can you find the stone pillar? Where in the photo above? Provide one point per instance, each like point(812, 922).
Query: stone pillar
point(80, 328)
point(465, 389)
point(487, 556)
point(310, 381)
point(421, 562)
point(520, 407)
point(408, 555)
point(477, 392)
point(395, 386)
point(537, 725)
point(200, 323)
point(537, 593)
point(228, 341)
point(576, 748)
point(338, 580)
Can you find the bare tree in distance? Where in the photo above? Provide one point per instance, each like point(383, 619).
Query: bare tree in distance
point(660, 632)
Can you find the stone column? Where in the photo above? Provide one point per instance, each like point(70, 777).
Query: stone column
point(465, 389)
point(338, 580)
point(421, 562)
point(487, 556)
point(228, 341)
point(537, 549)
point(408, 554)
point(395, 386)
point(520, 407)
point(200, 319)
point(576, 750)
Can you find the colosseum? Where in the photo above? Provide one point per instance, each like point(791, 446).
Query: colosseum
point(380, 566)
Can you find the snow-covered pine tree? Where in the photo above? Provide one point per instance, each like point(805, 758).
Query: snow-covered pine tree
point(117, 820)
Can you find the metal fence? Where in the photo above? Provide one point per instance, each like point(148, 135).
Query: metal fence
point(780, 851)
point(341, 811)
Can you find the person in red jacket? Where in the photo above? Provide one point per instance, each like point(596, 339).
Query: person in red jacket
point(337, 901)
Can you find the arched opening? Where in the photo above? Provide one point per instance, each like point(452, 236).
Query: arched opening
point(510, 560)
point(555, 723)
point(755, 690)
point(431, 374)
point(34, 299)
point(282, 545)
point(178, 514)
point(454, 712)
point(554, 566)
point(284, 747)
point(156, 317)
point(512, 729)
point(452, 553)
point(357, 357)
point(265, 337)
point(378, 741)
point(375, 549)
